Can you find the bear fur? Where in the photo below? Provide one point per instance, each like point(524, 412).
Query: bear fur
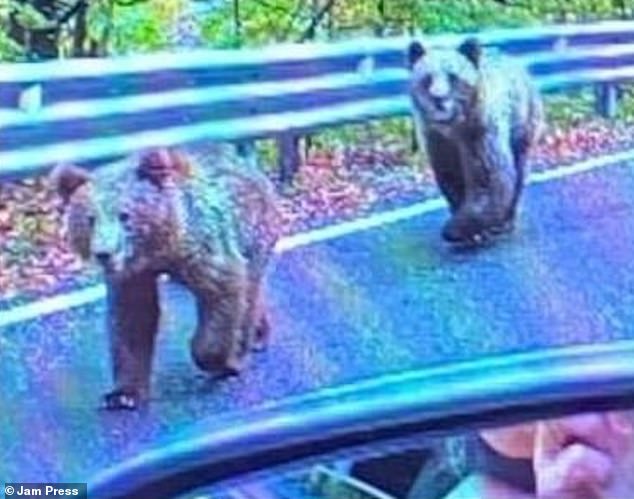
point(200, 216)
point(478, 114)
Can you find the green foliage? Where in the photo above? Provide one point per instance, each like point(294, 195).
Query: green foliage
point(218, 32)
point(30, 18)
point(137, 27)
point(569, 108)
point(271, 21)
point(9, 50)
point(99, 22)
point(454, 16)
point(258, 23)
point(25, 15)
point(266, 152)
point(625, 110)
point(145, 25)
point(281, 20)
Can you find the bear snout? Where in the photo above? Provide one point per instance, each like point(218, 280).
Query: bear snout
point(441, 104)
point(110, 262)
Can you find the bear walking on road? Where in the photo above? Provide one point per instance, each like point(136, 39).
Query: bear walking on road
point(478, 115)
point(203, 218)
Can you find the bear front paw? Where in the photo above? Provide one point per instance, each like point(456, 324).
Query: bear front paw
point(505, 227)
point(220, 366)
point(121, 400)
point(259, 345)
point(479, 238)
point(460, 235)
point(468, 241)
point(476, 240)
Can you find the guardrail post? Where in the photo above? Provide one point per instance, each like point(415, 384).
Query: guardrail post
point(606, 99)
point(288, 156)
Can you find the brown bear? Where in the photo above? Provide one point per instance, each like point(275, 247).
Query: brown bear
point(205, 219)
point(478, 114)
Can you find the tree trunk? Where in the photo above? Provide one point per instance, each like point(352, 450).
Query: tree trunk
point(237, 22)
point(379, 29)
point(80, 32)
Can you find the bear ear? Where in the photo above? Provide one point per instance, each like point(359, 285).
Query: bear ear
point(472, 50)
point(414, 52)
point(66, 179)
point(162, 165)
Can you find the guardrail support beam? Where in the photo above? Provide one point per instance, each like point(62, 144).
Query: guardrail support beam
point(289, 157)
point(606, 100)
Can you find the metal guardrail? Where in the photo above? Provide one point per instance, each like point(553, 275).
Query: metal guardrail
point(376, 416)
point(81, 110)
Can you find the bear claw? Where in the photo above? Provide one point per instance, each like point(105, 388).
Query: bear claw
point(228, 371)
point(502, 228)
point(120, 399)
point(259, 345)
point(470, 241)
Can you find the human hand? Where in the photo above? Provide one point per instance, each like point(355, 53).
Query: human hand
point(587, 456)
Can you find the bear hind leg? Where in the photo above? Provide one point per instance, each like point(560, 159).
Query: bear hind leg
point(520, 149)
point(216, 345)
point(256, 327)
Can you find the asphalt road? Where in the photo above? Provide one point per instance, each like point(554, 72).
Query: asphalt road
point(370, 303)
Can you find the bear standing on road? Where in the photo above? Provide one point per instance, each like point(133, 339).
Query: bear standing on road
point(478, 115)
point(207, 221)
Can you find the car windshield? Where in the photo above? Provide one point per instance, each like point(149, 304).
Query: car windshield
point(316, 249)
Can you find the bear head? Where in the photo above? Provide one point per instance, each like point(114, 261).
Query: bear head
point(125, 217)
point(444, 82)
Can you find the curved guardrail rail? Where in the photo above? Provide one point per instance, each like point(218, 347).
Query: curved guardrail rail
point(85, 110)
point(378, 415)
